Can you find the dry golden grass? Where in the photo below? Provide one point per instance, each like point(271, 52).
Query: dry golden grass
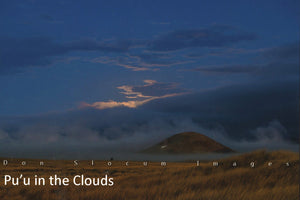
point(176, 181)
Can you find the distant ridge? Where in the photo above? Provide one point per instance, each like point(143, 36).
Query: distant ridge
point(188, 143)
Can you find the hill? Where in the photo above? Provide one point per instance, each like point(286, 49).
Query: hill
point(186, 143)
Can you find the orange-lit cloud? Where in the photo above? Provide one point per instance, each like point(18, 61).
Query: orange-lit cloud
point(136, 98)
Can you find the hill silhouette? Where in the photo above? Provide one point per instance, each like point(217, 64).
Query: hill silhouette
point(186, 143)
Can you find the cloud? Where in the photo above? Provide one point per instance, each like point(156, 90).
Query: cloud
point(239, 108)
point(17, 54)
point(122, 61)
point(50, 19)
point(282, 61)
point(271, 136)
point(46, 17)
point(215, 36)
point(152, 90)
point(153, 55)
point(283, 52)
point(228, 69)
point(113, 104)
point(43, 137)
point(269, 70)
point(94, 45)
point(129, 104)
point(3, 134)
point(221, 52)
point(274, 129)
point(244, 117)
point(142, 61)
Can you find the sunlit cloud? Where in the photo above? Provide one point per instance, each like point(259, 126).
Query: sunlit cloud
point(137, 95)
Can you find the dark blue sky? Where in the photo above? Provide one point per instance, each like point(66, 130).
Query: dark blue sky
point(230, 63)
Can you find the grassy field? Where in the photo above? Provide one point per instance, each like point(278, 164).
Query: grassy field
point(184, 181)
